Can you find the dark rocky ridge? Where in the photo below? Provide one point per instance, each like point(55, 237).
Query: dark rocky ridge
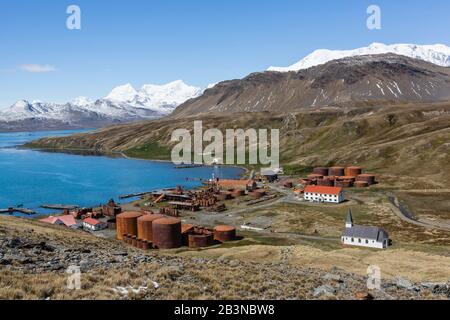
point(350, 81)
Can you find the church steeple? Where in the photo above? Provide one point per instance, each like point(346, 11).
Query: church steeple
point(349, 221)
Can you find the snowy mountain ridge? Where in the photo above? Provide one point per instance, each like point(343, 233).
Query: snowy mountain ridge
point(124, 103)
point(438, 54)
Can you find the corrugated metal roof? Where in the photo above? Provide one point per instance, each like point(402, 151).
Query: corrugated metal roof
point(68, 220)
point(366, 232)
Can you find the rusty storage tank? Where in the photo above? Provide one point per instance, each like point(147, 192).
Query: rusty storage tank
point(322, 171)
point(343, 183)
point(325, 182)
point(144, 226)
point(306, 182)
point(347, 178)
point(134, 241)
point(361, 184)
point(127, 223)
point(146, 245)
point(337, 171)
point(224, 233)
point(166, 233)
point(315, 176)
point(186, 230)
point(201, 240)
point(353, 171)
point(369, 178)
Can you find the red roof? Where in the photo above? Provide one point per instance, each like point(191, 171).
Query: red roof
point(323, 190)
point(92, 222)
point(68, 221)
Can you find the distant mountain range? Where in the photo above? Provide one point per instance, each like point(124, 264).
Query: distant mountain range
point(348, 82)
point(375, 74)
point(123, 104)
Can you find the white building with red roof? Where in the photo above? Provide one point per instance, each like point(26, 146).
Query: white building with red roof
point(94, 224)
point(324, 194)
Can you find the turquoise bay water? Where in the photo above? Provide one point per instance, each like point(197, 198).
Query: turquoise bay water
point(33, 178)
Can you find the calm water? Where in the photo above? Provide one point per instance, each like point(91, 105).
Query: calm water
point(33, 178)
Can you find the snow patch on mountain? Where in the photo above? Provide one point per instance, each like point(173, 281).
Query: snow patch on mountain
point(438, 54)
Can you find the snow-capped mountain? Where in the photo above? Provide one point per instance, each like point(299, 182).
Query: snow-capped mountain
point(438, 54)
point(159, 98)
point(123, 104)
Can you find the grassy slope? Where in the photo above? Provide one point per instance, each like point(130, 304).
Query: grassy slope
point(250, 270)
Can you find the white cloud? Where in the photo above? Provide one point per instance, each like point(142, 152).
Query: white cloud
point(37, 68)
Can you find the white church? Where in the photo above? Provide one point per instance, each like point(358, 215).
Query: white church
point(364, 236)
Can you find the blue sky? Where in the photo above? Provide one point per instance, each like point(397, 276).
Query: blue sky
point(198, 41)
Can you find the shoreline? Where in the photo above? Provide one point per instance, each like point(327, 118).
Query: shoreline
point(110, 154)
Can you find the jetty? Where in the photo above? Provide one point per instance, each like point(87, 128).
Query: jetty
point(20, 210)
point(189, 166)
point(134, 195)
point(59, 207)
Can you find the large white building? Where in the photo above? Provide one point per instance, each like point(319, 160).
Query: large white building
point(364, 236)
point(324, 194)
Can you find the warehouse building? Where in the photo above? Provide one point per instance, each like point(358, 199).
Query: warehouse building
point(228, 184)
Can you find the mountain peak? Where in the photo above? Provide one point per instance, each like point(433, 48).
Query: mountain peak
point(122, 93)
point(438, 54)
point(81, 101)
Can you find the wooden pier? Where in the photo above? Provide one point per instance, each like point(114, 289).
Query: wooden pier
point(20, 210)
point(134, 195)
point(189, 166)
point(59, 207)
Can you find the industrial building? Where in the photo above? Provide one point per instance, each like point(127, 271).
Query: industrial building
point(364, 236)
point(269, 175)
point(229, 184)
point(324, 194)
